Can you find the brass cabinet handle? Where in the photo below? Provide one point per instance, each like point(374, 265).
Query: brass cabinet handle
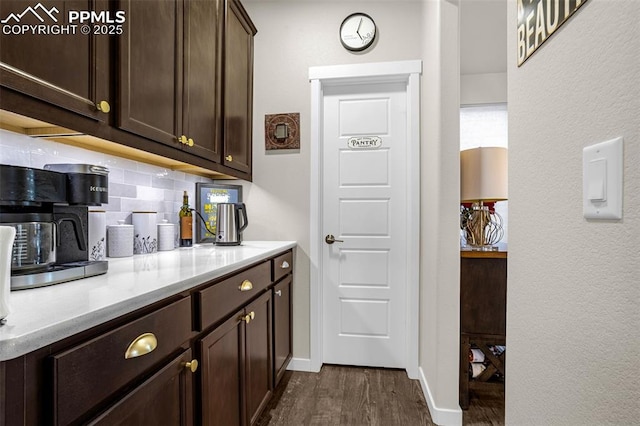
point(278, 292)
point(246, 286)
point(192, 365)
point(228, 158)
point(141, 345)
point(103, 106)
point(284, 265)
point(252, 315)
point(182, 139)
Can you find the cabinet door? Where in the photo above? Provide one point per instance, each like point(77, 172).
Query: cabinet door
point(282, 349)
point(238, 88)
point(258, 363)
point(164, 399)
point(221, 355)
point(202, 112)
point(150, 70)
point(67, 69)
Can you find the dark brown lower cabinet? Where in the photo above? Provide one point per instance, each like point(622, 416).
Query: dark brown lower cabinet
point(138, 369)
point(166, 398)
point(236, 376)
point(282, 350)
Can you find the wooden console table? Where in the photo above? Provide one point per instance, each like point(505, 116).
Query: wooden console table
point(483, 308)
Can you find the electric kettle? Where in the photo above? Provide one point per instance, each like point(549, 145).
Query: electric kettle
point(229, 225)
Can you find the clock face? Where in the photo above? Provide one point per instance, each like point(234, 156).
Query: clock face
point(357, 31)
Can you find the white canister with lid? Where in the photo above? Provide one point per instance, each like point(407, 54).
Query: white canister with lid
point(145, 239)
point(120, 240)
point(97, 235)
point(166, 235)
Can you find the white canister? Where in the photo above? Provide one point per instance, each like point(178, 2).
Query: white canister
point(166, 235)
point(120, 240)
point(97, 235)
point(145, 238)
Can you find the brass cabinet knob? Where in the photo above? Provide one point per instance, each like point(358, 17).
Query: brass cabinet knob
point(141, 345)
point(247, 318)
point(246, 286)
point(228, 158)
point(103, 106)
point(192, 365)
point(190, 142)
point(182, 139)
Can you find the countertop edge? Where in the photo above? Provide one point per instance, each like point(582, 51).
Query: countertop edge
point(16, 346)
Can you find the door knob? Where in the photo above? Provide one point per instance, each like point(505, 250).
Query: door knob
point(330, 239)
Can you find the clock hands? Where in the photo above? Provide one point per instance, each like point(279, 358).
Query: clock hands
point(358, 29)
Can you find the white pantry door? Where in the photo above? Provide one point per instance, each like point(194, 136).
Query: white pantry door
point(364, 204)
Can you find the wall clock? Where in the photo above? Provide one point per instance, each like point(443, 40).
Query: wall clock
point(357, 32)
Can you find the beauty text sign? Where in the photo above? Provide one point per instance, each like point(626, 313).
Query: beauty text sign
point(538, 20)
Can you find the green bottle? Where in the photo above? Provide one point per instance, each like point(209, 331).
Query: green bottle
point(186, 222)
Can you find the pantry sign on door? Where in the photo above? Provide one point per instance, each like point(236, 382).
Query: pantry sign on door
point(538, 20)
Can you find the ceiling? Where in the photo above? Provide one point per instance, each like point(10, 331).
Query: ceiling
point(483, 36)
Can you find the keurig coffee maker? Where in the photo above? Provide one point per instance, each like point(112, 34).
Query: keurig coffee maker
point(49, 210)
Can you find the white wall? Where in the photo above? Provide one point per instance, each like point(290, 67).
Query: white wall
point(294, 35)
point(573, 326)
point(440, 238)
point(487, 88)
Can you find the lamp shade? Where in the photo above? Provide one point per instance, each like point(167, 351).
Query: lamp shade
point(483, 174)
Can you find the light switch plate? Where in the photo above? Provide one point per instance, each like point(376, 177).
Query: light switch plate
point(602, 165)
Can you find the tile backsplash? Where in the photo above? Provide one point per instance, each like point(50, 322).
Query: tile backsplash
point(133, 186)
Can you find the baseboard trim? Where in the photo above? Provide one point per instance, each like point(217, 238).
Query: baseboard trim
point(300, 364)
point(440, 416)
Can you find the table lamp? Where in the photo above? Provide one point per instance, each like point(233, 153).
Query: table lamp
point(483, 179)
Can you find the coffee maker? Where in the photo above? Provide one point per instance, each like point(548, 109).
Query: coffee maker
point(49, 210)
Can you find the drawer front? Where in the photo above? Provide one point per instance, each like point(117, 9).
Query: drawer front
point(85, 375)
point(225, 297)
point(282, 265)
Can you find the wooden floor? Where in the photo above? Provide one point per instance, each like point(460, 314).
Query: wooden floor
point(357, 396)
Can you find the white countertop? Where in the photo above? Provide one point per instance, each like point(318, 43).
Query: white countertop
point(42, 316)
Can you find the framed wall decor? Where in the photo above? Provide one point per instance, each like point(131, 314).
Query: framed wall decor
point(208, 196)
point(282, 131)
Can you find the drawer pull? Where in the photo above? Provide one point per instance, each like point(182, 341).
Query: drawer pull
point(192, 365)
point(278, 292)
point(142, 345)
point(245, 286)
point(284, 265)
point(229, 158)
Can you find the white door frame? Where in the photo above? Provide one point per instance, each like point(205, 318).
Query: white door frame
point(321, 77)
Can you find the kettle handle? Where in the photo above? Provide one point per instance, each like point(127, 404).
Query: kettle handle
point(245, 221)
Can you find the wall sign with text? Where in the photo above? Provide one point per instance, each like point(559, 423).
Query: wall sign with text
point(538, 20)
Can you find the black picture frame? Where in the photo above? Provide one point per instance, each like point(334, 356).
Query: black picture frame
point(208, 195)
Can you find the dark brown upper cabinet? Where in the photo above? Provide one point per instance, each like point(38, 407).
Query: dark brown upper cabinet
point(150, 70)
point(170, 79)
point(238, 88)
point(202, 105)
point(69, 69)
